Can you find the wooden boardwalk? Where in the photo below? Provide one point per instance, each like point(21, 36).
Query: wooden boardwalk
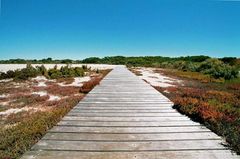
point(122, 118)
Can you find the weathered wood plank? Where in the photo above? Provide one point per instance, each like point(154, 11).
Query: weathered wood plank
point(95, 107)
point(87, 114)
point(132, 137)
point(121, 110)
point(129, 146)
point(128, 124)
point(128, 129)
point(120, 105)
point(194, 154)
point(127, 118)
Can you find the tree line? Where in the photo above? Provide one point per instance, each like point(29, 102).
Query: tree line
point(227, 67)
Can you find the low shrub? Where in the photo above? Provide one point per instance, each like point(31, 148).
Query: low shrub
point(234, 86)
point(15, 140)
point(65, 72)
point(217, 109)
point(88, 86)
point(63, 91)
point(67, 80)
point(54, 73)
point(42, 70)
point(25, 73)
point(79, 71)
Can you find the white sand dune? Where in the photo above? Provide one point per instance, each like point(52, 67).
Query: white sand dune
point(7, 67)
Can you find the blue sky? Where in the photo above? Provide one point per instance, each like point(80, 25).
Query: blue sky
point(82, 28)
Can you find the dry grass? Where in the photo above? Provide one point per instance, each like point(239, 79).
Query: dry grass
point(62, 91)
point(68, 80)
point(88, 86)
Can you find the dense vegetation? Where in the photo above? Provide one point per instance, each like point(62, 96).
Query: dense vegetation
point(221, 68)
point(35, 61)
point(224, 68)
point(53, 73)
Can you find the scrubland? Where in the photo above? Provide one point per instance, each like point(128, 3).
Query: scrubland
point(33, 100)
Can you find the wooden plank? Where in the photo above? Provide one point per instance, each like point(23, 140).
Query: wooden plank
point(128, 124)
point(114, 108)
point(127, 96)
point(126, 93)
point(125, 100)
point(124, 114)
point(128, 129)
point(128, 102)
point(127, 118)
point(132, 137)
point(146, 105)
point(129, 146)
point(193, 154)
point(121, 110)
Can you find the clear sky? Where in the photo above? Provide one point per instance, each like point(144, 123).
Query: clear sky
point(82, 28)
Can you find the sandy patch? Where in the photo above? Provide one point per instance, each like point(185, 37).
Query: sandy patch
point(157, 79)
point(53, 98)
point(42, 81)
point(42, 84)
point(78, 82)
point(41, 93)
point(40, 78)
point(4, 103)
point(6, 80)
point(4, 95)
point(44, 93)
point(7, 67)
point(166, 91)
point(16, 110)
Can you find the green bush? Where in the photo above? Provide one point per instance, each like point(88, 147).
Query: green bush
point(10, 74)
point(42, 70)
point(79, 71)
point(3, 75)
point(54, 73)
point(217, 69)
point(190, 66)
point(67, 71)
point(84, 67)
point(26, 73)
